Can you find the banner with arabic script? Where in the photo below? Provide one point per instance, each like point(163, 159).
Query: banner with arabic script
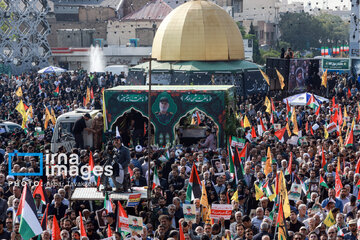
point(169, 104)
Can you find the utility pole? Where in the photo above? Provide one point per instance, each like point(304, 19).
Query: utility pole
point(149, 131)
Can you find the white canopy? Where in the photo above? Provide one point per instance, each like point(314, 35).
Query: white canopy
point(302, 98)
point(52, 69)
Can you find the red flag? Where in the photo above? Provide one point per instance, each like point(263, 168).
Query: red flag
point(253, 133)
point(311, 131)
point(272, 105)
point(131, 172)
point(358, 167)
point(44, 218)
point(181, 232)
point(198, 117)
point(290, 163)
point(122, 212)
point(307, 127)
point(82, 228)
point(333, 102)
point(55, 230)
point(358, 116)
point(338, 184)
point(262, 125)
point(350, 139)
point(26, 107)
point(84, 101)
point(109, 233)
point(340, 117)
point(40, 190)
point(144, 128)
point(335, 117)
point(349, 93)
point(318, 110)
point(92, 93)
point(227, 196)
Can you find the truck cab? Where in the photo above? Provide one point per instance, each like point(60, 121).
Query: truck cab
point(63, 136)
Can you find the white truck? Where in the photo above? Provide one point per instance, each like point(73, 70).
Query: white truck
point(63, 136)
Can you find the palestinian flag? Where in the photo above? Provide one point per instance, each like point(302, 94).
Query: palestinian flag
point(272, 106)
point(131, 172)
point(231, 160)
point(194, 188)
point(318, 110)
point(122, 219)
point(282, 135)
point(156, 180)
point(350, 138)
point(44, 218)
point(269, 191)
point(29, 224)
point(57, 91)
point(108, 204)
point(55, 230)
point(40, 190)
point(348, 93)
point(238, 167)
point(40, 88)
point(181, 232)
point(312, 102)
point(288, 110)
point(82, 227)
point(244, 154)
point(358, 197)
point(322, 182)
point(323, 160)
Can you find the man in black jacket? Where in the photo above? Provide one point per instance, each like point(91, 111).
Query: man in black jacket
point(121, 163)
point(78, 129)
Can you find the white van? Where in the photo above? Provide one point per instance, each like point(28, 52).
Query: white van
point(117, 69)
point(63, 136)
point(6, 127)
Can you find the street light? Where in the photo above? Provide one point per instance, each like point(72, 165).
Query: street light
point(149, 130)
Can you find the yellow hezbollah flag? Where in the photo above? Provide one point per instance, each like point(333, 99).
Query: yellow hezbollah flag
point(235, 197)
point(258, 192)
point(268, 105)
point(21, 109)
point(294, 121)
point(19, 92)
point(329, 220)
point(268, 162)
point(284, 195)
point(204, 201)
point(246, 122)
point(281, 79)
point(326, 134)
point(52, 116)
point(266, 77)
point(324, 79)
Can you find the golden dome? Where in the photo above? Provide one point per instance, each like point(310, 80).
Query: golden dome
point(198, 31)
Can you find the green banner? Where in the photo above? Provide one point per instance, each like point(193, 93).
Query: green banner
point(336, 64)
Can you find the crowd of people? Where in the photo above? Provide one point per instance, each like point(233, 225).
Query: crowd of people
point(254, 213)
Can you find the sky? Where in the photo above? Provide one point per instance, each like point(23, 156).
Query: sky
point(322, 3)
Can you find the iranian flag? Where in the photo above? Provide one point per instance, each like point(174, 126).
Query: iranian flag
point(29, 224)
point(194, 188)
point(156, 180)
point(322, 51)
point(108, 204)
point(323, 183)
point(40, 190)
point(312, 102)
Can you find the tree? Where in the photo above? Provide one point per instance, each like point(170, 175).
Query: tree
point(304, 31)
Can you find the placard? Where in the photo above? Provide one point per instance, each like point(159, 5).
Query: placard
point(221, 210)
point(356, 129)
point(295, 192)
point(124, 224)
point(189, 212)
point(238, 142)
point(133, 200)
point(135, 224)
point(277, 126)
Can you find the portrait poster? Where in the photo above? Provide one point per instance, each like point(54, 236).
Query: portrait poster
point(295, 192)
point(135, 224)
point(189, 212)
